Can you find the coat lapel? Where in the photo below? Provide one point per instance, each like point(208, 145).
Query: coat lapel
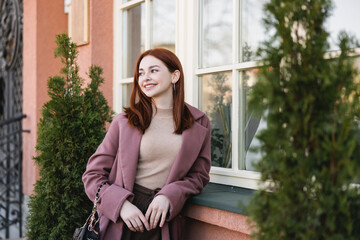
point(130, 138)
point(192, 141)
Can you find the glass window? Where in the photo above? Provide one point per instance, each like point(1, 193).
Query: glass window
point(216, 102)
point(216, 33)
point(163, 24)
point(357, 65)
point(229, 33)
point(138, 35)
point(134, 39)
point(253, 123)
point(216, 98)
point(126, 93)
point(252, 28)
point(345, 17)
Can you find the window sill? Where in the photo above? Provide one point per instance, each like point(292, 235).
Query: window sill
point(223, 197)
point(238, 178)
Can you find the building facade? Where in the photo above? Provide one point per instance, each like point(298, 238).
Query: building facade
point(216, 41)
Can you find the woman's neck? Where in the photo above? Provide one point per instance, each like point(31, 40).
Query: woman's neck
point(163, 103)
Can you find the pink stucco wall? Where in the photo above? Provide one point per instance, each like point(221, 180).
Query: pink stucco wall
point(99, 51)
point(44, 19)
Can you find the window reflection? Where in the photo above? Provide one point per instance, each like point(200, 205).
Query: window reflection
point(134, 20)
point(164, 24)
point(216, 33)
point(357, 66)
point(126, 93)
point(253, 123)
point(345, 17)
point(216, 101)
point(252, 28)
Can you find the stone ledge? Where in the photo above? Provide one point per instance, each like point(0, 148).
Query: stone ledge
point(224, 197)
point(221, 218)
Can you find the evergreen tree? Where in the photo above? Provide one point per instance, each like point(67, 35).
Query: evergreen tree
point(72, 126)
point(311, 147)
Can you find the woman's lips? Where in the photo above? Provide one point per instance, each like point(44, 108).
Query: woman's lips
point(149, 86)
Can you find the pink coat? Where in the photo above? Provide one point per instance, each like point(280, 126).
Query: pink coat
point(115, 161)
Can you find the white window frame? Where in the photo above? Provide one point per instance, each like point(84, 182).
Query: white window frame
point(187, 49)
point(183, 47)
point(234, 176)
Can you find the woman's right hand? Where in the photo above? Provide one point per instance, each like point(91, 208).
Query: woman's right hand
point(133, 217)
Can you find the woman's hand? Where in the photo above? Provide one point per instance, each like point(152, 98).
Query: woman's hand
point(157, 210)
point(133, 217)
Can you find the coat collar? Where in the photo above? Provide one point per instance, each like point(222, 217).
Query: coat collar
point(129, 147)
point(197, 114)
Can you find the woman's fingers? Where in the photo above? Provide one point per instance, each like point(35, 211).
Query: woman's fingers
point(133, 217)
point(155, 214)
point(157, 211)
point(148, 213)
point(151, 214)
point(136, 224)
point(152, 218)
point(144, 221)
point(157, 217)
point(163, 217)
point(139, 226)
point(129, 225)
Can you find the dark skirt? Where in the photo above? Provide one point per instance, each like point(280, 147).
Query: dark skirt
point(142, 199)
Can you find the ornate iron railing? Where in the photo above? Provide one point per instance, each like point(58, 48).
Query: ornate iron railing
point(11, 195)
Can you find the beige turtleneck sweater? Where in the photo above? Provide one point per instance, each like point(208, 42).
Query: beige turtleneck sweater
point(158, 149)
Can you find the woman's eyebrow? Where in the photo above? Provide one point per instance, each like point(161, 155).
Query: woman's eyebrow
point(153, 66)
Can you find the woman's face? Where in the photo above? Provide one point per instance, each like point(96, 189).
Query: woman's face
point(155, 79)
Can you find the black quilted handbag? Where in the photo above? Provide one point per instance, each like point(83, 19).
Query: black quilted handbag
point(90, 230)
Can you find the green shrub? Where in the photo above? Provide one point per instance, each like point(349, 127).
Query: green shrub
point(72, 126)
point(311, 147)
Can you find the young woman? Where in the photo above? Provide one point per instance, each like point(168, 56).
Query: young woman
point(154, 156)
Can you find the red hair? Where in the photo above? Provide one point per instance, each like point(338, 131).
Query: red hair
point(140, 113)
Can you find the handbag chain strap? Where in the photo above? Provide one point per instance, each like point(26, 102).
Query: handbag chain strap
point(93, 219)
point(98, 192)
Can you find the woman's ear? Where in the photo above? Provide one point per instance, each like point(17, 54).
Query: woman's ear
point(175, 76)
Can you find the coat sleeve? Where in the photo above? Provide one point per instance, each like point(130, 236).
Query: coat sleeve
point(195, 180)
point(98, 168)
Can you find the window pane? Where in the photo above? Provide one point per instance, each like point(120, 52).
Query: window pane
point(216, 101)
point(164, 24)
point(252, 28)
point(357, 65)
point(126, 93)
point(134, 20)
point(345, 17)
point(253, 123)
point(216, 33)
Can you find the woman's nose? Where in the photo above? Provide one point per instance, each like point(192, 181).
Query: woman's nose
point(146, 77)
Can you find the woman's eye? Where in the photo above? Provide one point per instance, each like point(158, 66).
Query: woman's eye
point(141, 73)
point(154, 70)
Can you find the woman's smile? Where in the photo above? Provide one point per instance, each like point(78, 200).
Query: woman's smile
point(149, 86)
point(156, 81)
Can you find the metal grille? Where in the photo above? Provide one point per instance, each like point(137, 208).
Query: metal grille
point(11, 197)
